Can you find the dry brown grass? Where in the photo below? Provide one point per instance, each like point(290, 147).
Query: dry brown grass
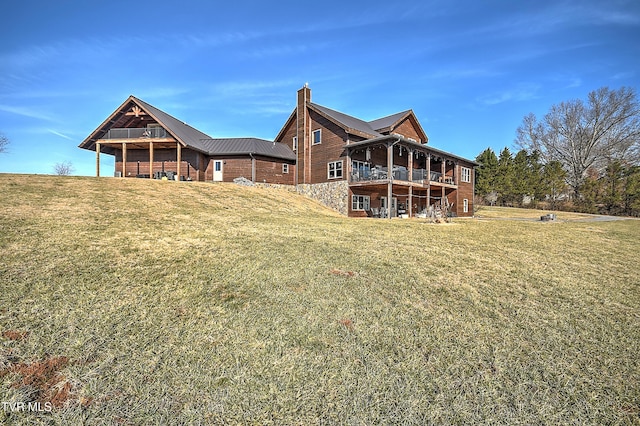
point(187, 303)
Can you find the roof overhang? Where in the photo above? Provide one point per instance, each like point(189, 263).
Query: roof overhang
point(396, 139)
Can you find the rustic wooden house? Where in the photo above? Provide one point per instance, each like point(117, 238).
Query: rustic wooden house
point(382, 167)
point(149, 143)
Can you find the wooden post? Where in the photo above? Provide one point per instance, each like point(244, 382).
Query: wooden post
point(411, 201)
point(150, 160)
point(179, 148)
point(389, 178)
point(444, 168)
point(98, 159)
point(428, 180)
point(410, 165)
point(124, 159)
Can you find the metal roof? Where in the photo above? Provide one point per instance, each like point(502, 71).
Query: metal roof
point(245, 146)
point(347, 121)
point(194, 138)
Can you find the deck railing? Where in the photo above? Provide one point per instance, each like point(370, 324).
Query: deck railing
point(398, 173)
point(136, 133)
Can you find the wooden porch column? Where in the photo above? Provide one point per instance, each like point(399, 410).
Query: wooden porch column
point(390, 178)
point(428, 180)
point(410, 165)
point(150, 160)
point(98, 159)
point(411, 201)
point(179, 149)
point(124, 159)
point(444, 168)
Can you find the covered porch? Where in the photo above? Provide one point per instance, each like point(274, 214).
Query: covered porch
point(411, 175)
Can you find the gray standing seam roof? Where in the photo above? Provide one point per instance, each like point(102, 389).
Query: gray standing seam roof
point(196, 139)
point(369, 127)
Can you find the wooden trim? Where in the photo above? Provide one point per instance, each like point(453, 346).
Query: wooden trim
point(124, 160)
point(390, 177)
point(98, 159)
point(150, 160)
point(179, 159)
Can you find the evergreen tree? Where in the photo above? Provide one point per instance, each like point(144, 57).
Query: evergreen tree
point(486, 173)
point(505, 178)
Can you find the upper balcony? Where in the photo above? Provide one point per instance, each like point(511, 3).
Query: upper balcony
point(364, 175)
point(136, 133)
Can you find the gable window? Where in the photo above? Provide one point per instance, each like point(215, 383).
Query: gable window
point(285, 168)
point(295, 143)
point(465, 174)
point(334, 170)
point(465, 206)
point(360, 202)
point(316, 137)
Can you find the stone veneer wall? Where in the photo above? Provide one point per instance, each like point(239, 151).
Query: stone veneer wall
point(332, 194)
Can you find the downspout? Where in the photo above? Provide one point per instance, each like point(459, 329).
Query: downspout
point(253, 167)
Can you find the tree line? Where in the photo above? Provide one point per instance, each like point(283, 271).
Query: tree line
point(581, 156)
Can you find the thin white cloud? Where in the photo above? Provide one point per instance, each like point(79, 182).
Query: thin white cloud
point(524, 92)
point(60, 134)
point(26, 112)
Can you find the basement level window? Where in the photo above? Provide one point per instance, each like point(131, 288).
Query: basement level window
point(465, 206)
point(360, 202)
point(334, 170)
point(316, 136)
point(285, 168)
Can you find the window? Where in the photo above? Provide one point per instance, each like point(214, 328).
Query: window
point(285, 168)
point(218, 166)
point(466, 174)
point(295, 143)
point(334, 170)
point(465, 205)
point(360, 202)
point(316, 137)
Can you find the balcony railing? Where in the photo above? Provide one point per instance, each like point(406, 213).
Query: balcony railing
point(136, 133)
point(399, 173)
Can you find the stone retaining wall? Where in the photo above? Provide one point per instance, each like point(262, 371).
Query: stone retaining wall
point(332, 194)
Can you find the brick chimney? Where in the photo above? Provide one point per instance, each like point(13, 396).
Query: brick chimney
point(303, 124)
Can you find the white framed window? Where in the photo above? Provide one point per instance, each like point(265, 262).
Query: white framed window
point(316, 137)
point(360, 202)
point(295, 143)
point(334, 170)
point(465, 173)
point(465, 206)
point(285, 168)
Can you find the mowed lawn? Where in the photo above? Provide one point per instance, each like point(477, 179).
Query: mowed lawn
point(149, 302)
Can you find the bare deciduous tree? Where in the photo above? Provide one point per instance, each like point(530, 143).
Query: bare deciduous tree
point(63, 169)
point(583, 135)
point(4, 142)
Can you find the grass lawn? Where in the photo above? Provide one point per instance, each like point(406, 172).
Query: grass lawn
point(127, 301)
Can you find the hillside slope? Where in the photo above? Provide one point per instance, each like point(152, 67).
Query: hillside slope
point(134, 301)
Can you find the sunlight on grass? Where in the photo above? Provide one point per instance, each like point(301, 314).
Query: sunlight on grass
point(182, 303)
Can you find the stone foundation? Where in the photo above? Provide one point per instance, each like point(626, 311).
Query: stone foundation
point(332, 194)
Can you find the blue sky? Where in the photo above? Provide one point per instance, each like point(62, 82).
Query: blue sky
point(471, 70)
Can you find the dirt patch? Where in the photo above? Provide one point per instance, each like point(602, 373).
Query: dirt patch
point(15, 335)
point(342, 273)
point(45, 378)
point(347, 323)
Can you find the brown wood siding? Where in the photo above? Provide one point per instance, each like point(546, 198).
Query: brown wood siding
point(331, 148)
point(270, 171)
point(287, 139)
point(266, 169)
point(408, 129)
point(465, 190)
